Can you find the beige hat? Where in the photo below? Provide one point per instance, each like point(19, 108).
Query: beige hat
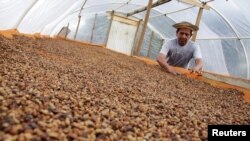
point(186, 25)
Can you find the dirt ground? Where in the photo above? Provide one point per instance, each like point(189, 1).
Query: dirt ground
point(61, 90)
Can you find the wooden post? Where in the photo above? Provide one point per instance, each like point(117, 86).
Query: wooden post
point(198, 20)
point(135, 41)
point(138, 49)
point(202, 5)
point(93, 29)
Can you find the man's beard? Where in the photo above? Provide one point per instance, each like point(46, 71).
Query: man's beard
point(182, 42)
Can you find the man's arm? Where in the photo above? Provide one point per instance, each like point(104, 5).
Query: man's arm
point(161, 59)
point(198, 65)
point(198, 60)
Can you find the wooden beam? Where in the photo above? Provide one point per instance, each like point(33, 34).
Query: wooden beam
point(125, 20)
point(133, 51)
point(202, 6)
point(198, 20)
point(227, 79)
point(145, 23)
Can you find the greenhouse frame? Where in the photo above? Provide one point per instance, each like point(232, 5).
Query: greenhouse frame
point(223, 35)
point(127, 70)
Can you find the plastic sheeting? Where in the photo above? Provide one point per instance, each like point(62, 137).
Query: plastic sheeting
point(121, 40)
point(43, 13)
point(151, 45)
point(232, 11)
point(246, 43)
point(214, 61)
point(13, 11)
point(49, 28)
point(223, 36)
point(100, 30)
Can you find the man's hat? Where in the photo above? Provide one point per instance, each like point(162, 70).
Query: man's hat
point(186, 25)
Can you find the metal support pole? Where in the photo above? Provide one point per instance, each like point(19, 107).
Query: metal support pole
point(150, 42)
point(67, 31)
point(93, 29)
point(79, 20)
point(162, 42)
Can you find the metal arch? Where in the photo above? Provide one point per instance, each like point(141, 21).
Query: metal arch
point(103, 4)
point(82, 7)
point(238, 37)
point(123, 4)
point(79, 18)
point(156, 31)
point(165, 14)
point(25, 13)
point(71, 13)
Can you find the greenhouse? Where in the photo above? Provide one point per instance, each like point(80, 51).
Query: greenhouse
point(87, 70)
point(223, 35)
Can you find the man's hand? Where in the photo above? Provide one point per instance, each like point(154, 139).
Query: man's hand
point(198, 66)
point(161, 59)
point(196, 70)
point(171, 70)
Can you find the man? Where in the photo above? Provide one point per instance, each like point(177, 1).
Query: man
point(179, 51)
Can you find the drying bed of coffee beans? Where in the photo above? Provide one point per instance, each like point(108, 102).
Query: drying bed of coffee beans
point(54, 89)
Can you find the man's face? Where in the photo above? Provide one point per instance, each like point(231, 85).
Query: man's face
point(183, 35)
